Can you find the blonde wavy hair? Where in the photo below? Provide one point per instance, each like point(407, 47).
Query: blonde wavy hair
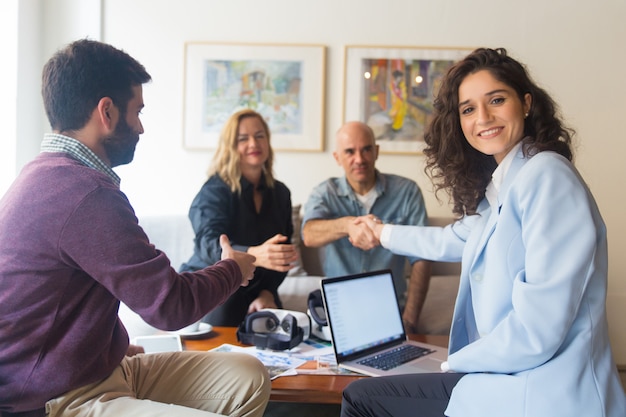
point(226, 161)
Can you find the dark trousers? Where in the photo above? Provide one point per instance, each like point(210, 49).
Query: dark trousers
point(34, 413)
point(415, 395)
point(234, 310)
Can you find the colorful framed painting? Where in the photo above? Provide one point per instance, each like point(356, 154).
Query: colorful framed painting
point(284, 83)
point(391, 88)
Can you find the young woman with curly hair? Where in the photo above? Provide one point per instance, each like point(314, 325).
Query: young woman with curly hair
point(529, 335)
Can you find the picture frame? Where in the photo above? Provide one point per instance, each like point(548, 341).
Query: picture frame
point(285, 83)
point(392, 88)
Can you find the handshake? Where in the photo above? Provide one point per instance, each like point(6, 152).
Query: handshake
point(364, 231)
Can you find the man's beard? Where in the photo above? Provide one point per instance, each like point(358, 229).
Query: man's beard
point(120, 146)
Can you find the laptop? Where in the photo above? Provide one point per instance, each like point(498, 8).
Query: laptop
point(366, 326)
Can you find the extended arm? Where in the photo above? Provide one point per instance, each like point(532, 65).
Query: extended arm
point(321, 232)
point(326, 220)
point(113, 249)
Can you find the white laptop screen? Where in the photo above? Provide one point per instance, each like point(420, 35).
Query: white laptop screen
point(363, 312)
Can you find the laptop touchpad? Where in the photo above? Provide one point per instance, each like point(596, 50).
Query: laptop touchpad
point(428, 365)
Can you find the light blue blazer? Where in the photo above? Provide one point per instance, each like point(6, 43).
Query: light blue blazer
point(529, 324)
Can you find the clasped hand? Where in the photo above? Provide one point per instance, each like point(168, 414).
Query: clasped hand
point(364, 232)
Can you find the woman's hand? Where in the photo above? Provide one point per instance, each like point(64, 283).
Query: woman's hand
point(264, 300)
point(274, 254)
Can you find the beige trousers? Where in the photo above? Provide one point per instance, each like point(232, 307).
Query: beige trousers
point(185, 384)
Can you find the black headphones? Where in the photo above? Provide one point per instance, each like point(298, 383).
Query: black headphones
point(263, 330)
point(316, 308)
point(317, 315)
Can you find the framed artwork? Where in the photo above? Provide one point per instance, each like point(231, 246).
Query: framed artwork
point(283, 83)
point(391, 88)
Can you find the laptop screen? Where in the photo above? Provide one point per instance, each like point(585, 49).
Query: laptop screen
point(362, 312)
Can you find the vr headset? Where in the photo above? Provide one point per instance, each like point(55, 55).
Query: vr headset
point(274, 329)
point(317, 314)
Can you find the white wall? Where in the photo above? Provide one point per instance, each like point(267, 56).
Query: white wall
point(30, 31)
point(8, 101)
point(30, 55)
point(574, 50)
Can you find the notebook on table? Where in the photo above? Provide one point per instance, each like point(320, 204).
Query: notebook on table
point(366, 327)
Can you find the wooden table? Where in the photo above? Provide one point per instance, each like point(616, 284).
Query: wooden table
point(320, 389)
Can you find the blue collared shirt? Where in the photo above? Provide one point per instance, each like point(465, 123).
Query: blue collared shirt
point(399, 201)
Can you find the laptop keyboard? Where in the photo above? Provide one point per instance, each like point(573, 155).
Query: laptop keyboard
point(395, 357)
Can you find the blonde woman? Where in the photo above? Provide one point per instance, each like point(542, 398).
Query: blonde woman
point(243, 200)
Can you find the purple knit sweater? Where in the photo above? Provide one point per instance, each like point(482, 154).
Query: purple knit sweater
point(70, 249)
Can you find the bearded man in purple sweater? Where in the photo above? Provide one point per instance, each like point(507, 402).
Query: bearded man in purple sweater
point(71, 249)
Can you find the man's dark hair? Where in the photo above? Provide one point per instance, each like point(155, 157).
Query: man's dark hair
point(79, 75)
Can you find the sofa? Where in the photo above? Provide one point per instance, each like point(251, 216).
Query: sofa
point(173, 235)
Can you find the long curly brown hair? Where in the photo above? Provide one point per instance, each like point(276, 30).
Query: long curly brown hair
point(452, 163)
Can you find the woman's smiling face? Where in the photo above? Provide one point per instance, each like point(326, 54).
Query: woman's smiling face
point(491, 113)
point(252, 143)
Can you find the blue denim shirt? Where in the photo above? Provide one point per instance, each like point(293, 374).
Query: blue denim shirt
point(399, 201)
